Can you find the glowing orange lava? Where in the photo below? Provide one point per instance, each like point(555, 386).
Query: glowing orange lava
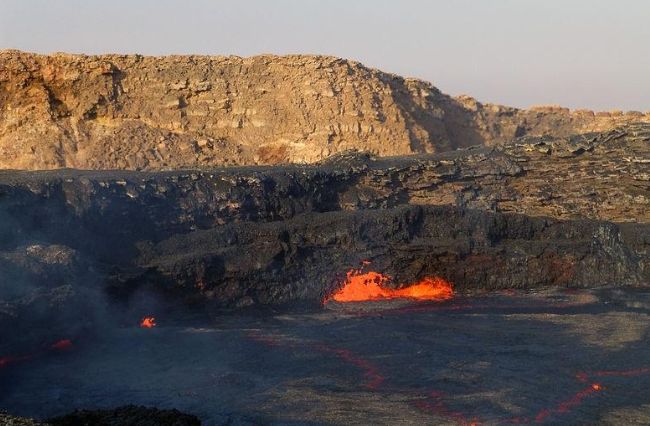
point(365, 286)
point(148, 322)
point(569, 404)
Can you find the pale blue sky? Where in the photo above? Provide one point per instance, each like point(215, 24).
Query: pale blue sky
point(578, 53)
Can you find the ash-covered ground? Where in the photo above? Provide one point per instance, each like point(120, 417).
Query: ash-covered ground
point(545, 357)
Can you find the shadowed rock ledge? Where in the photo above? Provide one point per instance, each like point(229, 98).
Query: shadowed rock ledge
point(483, 218)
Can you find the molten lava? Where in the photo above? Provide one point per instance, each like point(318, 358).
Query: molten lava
point(569, 404)
point(364, 286)
point(148, 322)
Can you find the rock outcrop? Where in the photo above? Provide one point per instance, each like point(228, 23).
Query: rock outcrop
point(126, 415)
point(9, 420)
point(481, 217)
point(152, 113)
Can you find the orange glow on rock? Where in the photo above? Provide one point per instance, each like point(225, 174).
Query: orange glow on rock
point(366, 286)
point(148, 322)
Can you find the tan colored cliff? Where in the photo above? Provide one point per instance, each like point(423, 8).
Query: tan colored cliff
point(135, 112)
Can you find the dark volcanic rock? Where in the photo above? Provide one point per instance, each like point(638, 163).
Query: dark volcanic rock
point(48, 291)
point(9, 420)
point(129, 415)
point(247, 235)
point(305, 258)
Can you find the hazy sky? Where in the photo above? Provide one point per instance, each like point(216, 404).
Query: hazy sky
point(578, 53)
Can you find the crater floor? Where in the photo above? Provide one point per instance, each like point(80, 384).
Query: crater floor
point(550, 357)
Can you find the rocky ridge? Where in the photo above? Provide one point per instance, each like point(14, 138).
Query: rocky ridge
point(151, 113)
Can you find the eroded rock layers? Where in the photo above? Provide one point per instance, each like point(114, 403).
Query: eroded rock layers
point(152, 113)
point(483, 218)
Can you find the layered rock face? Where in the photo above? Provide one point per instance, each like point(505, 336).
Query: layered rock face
point(152, 113)
point(265, 235)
